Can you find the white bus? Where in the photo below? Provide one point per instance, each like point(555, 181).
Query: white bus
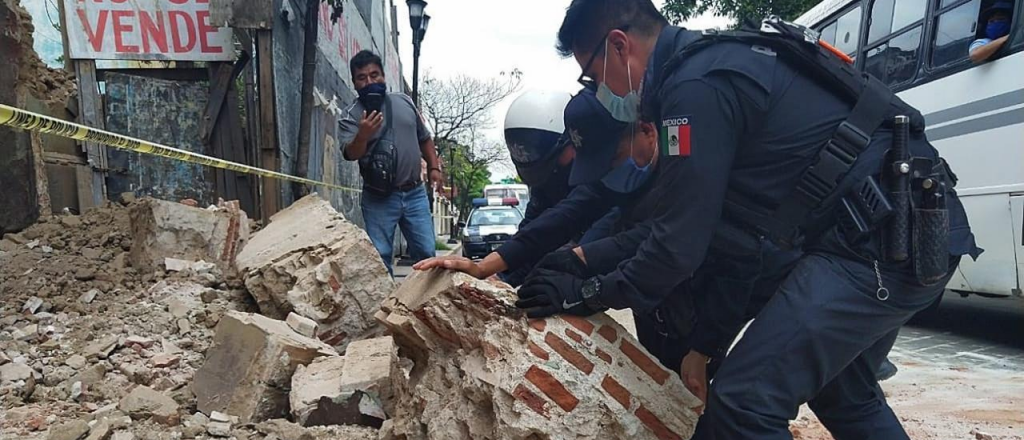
point(505, 190)
point(975, 113)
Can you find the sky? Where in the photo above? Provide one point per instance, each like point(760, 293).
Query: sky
point(485, 37)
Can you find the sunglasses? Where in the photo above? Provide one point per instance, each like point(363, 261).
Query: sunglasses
point(586, 81)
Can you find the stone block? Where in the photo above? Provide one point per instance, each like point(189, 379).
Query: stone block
point(163, 229)
point(302, 325)
point(146, 403)
point(484, 371)
point(311, 261)
point(248, 370)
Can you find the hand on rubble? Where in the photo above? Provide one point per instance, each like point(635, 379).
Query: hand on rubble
point(456, 263)
point(565, 261)
point(547, 292)
point(695, 374)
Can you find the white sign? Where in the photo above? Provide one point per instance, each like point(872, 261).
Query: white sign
point(173, 30)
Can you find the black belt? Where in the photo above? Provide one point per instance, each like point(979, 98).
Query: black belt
point(409, 186)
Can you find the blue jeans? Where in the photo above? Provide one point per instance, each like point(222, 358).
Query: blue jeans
point(406, 209)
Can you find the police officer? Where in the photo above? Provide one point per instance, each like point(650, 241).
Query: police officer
point(542, 153)
point(662, 328)
point(764, 134)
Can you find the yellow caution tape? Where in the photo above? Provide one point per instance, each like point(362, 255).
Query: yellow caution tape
point(18, 118)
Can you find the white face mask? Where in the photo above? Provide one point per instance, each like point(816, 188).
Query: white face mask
point(622, 108)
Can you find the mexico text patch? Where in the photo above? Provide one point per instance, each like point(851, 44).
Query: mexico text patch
point(674, 136)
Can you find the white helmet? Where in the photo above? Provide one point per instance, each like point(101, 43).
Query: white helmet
point(533, 127)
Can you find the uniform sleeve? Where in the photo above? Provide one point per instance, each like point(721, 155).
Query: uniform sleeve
point(604, 255)
point(555, 226)
point(696, 175)
point(538, 204)
point(348, 126)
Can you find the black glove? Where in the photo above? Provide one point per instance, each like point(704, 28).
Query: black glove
point(565, 261)
point(548, 293)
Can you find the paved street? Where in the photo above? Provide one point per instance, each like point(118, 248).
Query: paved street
point(975, 331)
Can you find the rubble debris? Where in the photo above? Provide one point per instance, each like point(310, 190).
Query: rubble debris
point(144, 402)
point(73, 430)
point(249, 369)
point(164, 360)
point(89, 297)
point(123, 435)
point(32, 305)
point(141, 342)
point(302, 325)
point(562, 377)
point(176, 265)
point(101, 348)
point(164, 230)
point(311, 261)
point(75, 361)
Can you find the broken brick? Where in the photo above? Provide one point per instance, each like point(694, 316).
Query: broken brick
point(646, 364)
point(568, 353)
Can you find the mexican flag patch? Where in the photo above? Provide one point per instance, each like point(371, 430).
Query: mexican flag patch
point(674, 136)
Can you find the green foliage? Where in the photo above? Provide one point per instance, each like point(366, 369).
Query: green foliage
point(678, 11)
point(470, 171)
point(441, 246)
point(511, 180)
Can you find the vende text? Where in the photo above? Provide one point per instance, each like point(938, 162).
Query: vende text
point(146, 29)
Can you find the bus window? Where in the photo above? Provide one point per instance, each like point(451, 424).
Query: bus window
point(888, 16)
point(829, 33)
point(954, 31)
point(895, 61)
point(848, 31)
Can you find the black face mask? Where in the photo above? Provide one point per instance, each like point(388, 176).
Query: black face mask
point(372, 97)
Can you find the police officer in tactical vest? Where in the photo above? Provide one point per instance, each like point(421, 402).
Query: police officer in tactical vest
point(770, 132)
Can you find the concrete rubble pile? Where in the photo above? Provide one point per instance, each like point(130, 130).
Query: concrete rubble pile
point(114, 325)
point(483, 371)
point(311, 261)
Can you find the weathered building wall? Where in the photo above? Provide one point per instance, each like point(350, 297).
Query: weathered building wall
point(165, 112)
point(27, 83)
point(365, 24)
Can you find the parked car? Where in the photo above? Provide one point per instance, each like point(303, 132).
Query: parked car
point(492, 222)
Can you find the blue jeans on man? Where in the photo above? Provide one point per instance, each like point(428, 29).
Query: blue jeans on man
point(408, 210)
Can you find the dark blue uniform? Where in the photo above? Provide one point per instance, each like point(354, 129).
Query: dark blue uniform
point(749, 123)
point(555, 189)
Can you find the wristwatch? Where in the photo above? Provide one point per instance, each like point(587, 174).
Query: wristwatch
point(591, 291)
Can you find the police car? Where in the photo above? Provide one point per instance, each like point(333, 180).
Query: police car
point(492, 222)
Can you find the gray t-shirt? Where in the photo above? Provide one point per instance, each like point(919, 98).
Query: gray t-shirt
point(407, 130)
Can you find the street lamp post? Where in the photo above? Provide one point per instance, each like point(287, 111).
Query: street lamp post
point(419, 22)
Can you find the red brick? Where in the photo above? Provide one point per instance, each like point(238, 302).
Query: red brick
point(538, 324)
point(649, 366)
point(608, 333)
point(531, 399)
point(582, 324)
point(490, 351)
point(655, 425)
point(552, 388)
point(617, 391)
point(604, 356)
point(574, 336)
point(570, 354)
point(537, 351)
point(333, 282)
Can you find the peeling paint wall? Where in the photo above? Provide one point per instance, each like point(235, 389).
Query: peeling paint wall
point(165, 112)
point(365, 27)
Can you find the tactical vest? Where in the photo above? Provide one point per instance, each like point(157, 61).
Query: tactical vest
point(874, 105)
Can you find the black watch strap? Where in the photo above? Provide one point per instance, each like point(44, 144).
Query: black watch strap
point(591, 291)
